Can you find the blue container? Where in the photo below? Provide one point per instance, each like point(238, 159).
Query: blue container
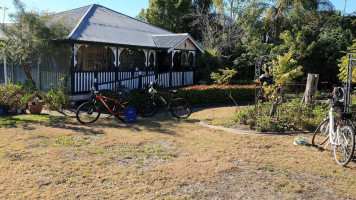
point(130, 114)
point(1, 111)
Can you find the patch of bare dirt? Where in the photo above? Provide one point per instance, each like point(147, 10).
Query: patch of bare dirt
point(256, 181)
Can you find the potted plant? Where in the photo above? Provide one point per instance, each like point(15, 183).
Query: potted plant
point(35, 106)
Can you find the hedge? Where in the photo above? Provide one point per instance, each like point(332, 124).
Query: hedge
point(201, 95)
point(216, 94)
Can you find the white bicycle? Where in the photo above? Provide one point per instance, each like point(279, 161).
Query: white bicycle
point(341, 138)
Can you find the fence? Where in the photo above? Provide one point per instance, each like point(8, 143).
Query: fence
point(42, 78)
point(83, 81)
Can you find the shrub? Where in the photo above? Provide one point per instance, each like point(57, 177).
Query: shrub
point(216, 94)
point(31, 91)
point(56, 98)
point(203, 94)
point(292, 116)
point(10, 96)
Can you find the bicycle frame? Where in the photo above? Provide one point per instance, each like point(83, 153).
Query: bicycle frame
point(160, 97)
point(334, 138)
point(103, 99)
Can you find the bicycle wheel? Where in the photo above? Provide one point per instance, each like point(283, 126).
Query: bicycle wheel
point(88, 113)
point(128, 102)
point(344, 150)
point(180, 108)
point(147, 107)
point(321, 134)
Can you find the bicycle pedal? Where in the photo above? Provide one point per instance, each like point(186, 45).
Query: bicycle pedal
point(321, 149)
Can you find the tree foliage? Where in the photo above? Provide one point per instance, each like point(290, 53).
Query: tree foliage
point(32, 35)
point(343, 63)
point(168, 14)
point(240, 31)
point(223, 78)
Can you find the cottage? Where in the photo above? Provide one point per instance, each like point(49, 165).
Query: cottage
point(111, 49)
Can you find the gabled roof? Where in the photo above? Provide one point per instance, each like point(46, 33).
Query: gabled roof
point(96, 23)
point(72, 17)
point(171, 41)
point(100, 24)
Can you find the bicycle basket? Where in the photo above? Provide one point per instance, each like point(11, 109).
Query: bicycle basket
point(339, 94)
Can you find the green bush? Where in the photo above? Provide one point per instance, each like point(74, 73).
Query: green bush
point(209, 95)
point(10, 96)
point(56, 98)
point(31, 91)
point(292, 116)
point(215, 95)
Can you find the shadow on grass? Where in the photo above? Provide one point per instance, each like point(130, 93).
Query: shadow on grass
point(29, 122)
point(158, 123)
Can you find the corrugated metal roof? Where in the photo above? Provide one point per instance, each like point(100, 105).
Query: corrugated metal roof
point(101, 24)
point(169, 40)
point(72, 17)
point(98, 24)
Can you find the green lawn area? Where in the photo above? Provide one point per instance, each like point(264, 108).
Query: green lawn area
point(52, 157)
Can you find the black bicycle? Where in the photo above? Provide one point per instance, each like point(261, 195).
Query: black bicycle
point(179, 107)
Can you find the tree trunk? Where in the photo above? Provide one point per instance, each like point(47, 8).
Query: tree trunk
point(27, 71)
point(311, 89)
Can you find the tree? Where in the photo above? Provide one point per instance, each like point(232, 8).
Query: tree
point(343, 64)
point(278, 12)
point(168, 14)
point(31, 35)
point(220, 32)
point(141, 15)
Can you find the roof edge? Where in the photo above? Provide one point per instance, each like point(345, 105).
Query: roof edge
point(114, 44)
point(80, 21)
point(191, 39)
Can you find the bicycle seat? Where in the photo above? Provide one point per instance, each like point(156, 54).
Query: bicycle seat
point(173, 91)
point(344, 116)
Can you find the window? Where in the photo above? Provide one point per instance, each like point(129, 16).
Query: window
point(177, 61)
point(95, 58)
point(151, 61)
point(130, 59)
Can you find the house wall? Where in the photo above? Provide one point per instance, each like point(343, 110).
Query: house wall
point(187, 45)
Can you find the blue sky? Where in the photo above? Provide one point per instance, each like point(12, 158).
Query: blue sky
point(128, 7)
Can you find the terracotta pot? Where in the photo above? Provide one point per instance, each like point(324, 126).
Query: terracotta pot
point(35, 109)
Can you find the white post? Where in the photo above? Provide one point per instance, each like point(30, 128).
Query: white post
point(5, 70)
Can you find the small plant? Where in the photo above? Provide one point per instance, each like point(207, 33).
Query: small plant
point(32, 92)
point(224, 78)
point(56, 98)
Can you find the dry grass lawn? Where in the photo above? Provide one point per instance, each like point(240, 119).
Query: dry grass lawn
point(50, 157)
